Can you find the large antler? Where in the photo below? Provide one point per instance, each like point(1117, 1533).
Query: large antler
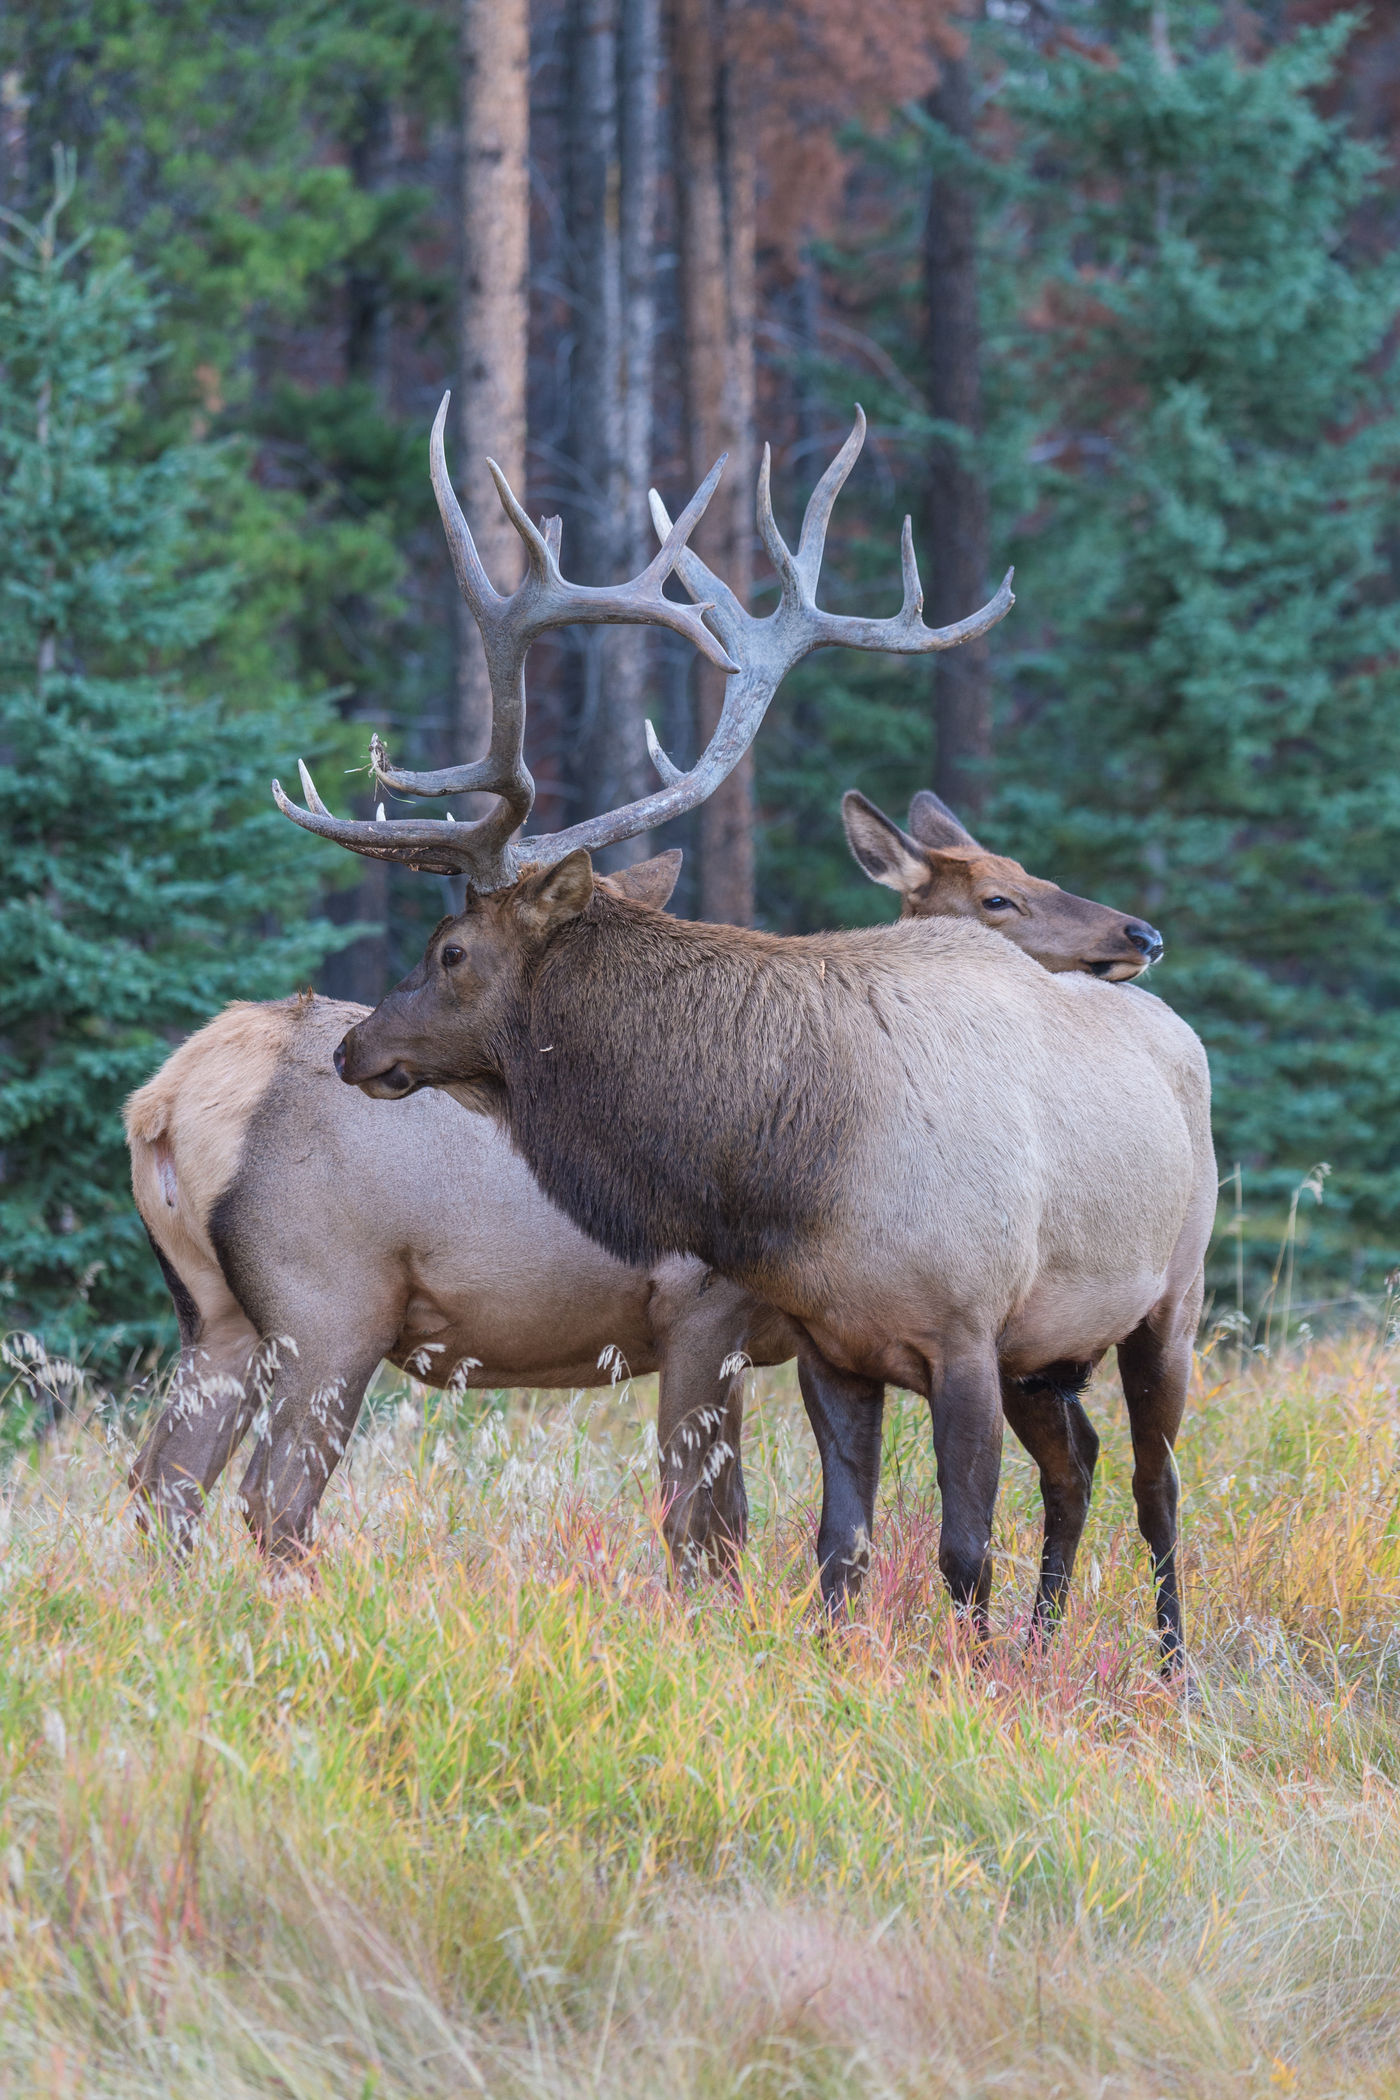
point(489, 850)
point(767, 648)
point(758, 651)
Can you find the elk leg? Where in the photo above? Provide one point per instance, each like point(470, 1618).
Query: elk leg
point(701, 1322)
point(699, 1423)
point(1045, 1414)
point(309, 1421)
point(1154, 1364)
point(212, 1400)
point(966, 1408)
point(847, 1416)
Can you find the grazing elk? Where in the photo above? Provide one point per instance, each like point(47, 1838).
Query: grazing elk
point(946, 1166)
point(306, 1232)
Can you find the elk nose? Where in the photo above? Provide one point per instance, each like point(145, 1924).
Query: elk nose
point(1145, 939)
point(339, 1059)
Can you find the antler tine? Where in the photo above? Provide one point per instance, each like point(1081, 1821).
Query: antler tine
point(540, 553)
point(308, 788)
point(708, 590)
point(779, 552)
point(909, 570)
point(472, 579)
point(811, 544)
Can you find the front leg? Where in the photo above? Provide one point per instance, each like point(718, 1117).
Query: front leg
point(847, 1416)
point(1045, 1415)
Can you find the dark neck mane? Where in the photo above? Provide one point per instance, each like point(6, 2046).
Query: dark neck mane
point(677, 1087)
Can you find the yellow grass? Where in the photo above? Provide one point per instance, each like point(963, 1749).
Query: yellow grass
point(486, 1811)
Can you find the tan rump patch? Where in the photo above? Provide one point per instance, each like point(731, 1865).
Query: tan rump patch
point(185, 1126)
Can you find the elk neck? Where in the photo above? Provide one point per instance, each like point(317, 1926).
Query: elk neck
point(687, 1088)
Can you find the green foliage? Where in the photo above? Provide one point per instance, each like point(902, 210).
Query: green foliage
point(1200, 683)
point(148, 877)
point(239, 151)
point(1191, 445)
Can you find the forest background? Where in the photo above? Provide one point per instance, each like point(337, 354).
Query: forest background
point(1118, 288)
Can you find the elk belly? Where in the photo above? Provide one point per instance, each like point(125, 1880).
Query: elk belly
point(1077, 1318)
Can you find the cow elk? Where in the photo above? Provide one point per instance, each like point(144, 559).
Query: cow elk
point(946, 1166)
point(942, 873)
point(307, 1233)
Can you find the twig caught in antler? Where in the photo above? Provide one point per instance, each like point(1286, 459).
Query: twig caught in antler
point(758, 653)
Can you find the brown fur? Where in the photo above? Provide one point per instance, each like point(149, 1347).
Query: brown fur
point(313, 1232)
point(943, 1163)
point(270, 1236)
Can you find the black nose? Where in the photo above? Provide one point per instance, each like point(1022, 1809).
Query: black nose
point(339, 1059)
point(1145, 938)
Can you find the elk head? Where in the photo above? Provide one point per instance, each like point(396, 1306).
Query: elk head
point(517, 885)
point(942, 872)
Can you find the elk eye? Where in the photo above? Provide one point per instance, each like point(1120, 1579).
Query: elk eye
point(451, 957)
point(996, 904)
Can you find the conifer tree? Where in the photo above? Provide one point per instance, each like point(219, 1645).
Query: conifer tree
point(1202, 718)
point(148, 878)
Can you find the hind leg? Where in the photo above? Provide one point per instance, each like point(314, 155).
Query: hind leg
point(212, 1400)
point(1154, 1363)
point(1045, 1414)
point(847, 1416)
point(311, 1409)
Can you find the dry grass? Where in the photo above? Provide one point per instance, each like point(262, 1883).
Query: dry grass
point(485, 1810)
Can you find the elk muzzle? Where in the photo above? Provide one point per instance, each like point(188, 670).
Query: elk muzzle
point(1138, 945)
point(357, 1065)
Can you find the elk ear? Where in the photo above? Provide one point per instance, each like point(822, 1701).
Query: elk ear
point(647, 881)
point(880, 846)
point(550, 897)
point(933, 824)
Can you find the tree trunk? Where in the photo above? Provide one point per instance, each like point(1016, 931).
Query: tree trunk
point(630, 681)
point(612, 206)
point(956, 522)
point(361, 971)
point(495, 255)
point(716, 181)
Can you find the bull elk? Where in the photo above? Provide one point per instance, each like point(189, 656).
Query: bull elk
point(307, 1232)
point(946, 1167)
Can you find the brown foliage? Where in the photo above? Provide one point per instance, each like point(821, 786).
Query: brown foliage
point(813, 69)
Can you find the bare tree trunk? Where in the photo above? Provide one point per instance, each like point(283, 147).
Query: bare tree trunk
point(14, 139)
point(956, 524)
point(361, 971)
point(716, 178)
point(495, 255)
point(593, 529)
point(629, 681)
point(366, 293)
point(612, 206)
